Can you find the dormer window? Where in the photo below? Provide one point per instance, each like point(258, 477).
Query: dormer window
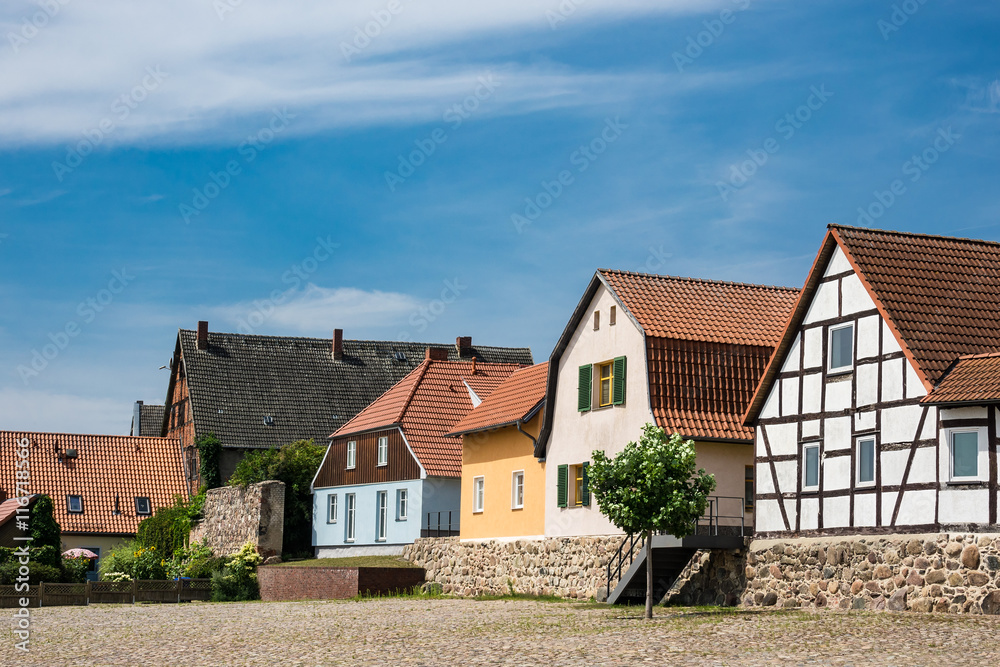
point(74, 504)
point(142, 506)
point(841, 349)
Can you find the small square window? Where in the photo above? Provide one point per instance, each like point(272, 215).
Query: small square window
point(74, 504)
point(517, 490)
point(331, 508)
point(810, 467)
point(841, 349)
point(352, 454)
point(143, 506)
point(866, 461)
point(383, 451)
point(965, 455)
point(478, 494)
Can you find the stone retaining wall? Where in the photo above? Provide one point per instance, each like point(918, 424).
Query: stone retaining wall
point(565, 567)
point(287, 582)
point(233, 516)
point(941, 573)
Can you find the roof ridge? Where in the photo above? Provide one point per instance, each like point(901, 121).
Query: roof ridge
point(924, 235)
point(93, 435)
point(980, 355)
point(236, 334)
point(707, 281)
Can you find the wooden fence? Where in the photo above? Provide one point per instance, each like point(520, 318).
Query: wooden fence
point(108, 592)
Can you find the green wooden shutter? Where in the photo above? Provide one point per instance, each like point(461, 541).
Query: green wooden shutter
point(562, 487)
point(586, 485)
point(585, 395)
point(618, 390)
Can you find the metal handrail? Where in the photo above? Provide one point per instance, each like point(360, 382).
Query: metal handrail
point(451, 527)
point(712, 515)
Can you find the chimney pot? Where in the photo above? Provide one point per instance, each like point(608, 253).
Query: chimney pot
point(436, 354)
point(338, 344)
point(202, 335)
point(464, 346)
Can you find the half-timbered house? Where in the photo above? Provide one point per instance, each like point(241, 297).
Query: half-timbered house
point(878, 412)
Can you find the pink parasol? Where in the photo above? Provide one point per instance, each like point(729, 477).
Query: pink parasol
point(79, 553)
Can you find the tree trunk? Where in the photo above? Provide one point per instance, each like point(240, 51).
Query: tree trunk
point(649, 574)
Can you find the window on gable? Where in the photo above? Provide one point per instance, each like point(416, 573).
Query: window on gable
point(613, 316)
point(597, 320)
point(383, 451)
point(607, 376)
point(964, 453)
point(143, 506)
point(866, 461)
point(609, 388)
point(74, 504)
point(352, 454)
point(841, 349)
point(517, 490)
point(810, 467)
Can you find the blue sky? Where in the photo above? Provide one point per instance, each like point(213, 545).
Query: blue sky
point(259, 165)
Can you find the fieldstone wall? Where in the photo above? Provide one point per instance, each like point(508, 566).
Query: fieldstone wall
point(565, 567)
point(711, 578)
point(940, 573)
point(232, 516)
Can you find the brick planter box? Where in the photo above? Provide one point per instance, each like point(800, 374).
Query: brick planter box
point(286, 582)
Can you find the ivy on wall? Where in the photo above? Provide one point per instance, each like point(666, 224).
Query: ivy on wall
point(209, 452)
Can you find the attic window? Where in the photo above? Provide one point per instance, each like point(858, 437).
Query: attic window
point(597, 320)
point(400, 356)
point(142, 506)
point(268, 420)
point(613, 316)
point(74, 504)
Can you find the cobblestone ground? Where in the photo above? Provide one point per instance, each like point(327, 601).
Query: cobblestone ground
point(402, 631)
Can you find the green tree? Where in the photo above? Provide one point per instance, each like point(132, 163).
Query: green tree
point(652, 485)
point(45, 532)
point(209, 452)
point(295, 464)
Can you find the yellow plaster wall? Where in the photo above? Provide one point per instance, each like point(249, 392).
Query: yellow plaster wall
point(495, 455)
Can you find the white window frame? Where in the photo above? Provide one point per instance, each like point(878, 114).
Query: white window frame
point(982, 458)
point(517, 488)
point(331, 508)
point(350, 517)
point(402, 502)
point(149, 506)
point(805, 465)
point(352, 454)
point(381, 515)
point(857, 456)
point(383, 451)
point(830, 368)
point(478, 494)
point(69, 504)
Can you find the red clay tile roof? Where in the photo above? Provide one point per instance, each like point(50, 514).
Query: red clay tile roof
point(518, 396)
point(8, 508)
point(973, 379)
point(707, 344)
point(704, 310)
point(106, 466)
point(426, 404)
point(942, 294)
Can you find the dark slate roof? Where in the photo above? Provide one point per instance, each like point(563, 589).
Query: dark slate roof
point(240, 379)
point(150, 421)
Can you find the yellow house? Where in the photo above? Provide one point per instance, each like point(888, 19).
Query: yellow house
point(503, 484)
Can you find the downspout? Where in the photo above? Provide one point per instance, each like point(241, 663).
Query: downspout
point(534, 440)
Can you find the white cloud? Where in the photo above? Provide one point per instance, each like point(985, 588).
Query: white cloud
point(317, 311)
point(65, 78)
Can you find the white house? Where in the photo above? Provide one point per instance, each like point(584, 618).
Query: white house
point(878, 412)
point(685, 354)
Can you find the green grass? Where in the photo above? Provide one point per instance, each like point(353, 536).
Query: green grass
point(355, 561)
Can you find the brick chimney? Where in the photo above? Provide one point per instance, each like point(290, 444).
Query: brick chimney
point(202, 335)
point(464, 346)
point(436, 354)
point(338, 344)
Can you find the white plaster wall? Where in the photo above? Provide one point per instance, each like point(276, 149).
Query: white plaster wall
point(764, 482)
point(825, 303)
point(768, 516)
point(899, 424)
point(810, 513)
point(916, 509)
point(867, 384)
point(868, 336)
point(923, 470)
point(787, 473)
point(964, 413)
point(855, 296)
point(864, 509)
point(837, 473)
point(811, 393)
point(964, 506)
point(864, 420)
point(914, 387)
point(790, 396)
point(838, 395)
point(838, 263)
point(792, 358)
point(813, 348)
point(837, 433)
point(771, 405)
point(889, 343)
point(783, 439)
point(837, 512)
point(893, 465)
point(892, 380)
point(810, 428)
point(575, 435)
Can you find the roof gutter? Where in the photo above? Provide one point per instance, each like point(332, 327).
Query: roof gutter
point(534, 440)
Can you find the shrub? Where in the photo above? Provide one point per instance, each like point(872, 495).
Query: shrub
point(37, 572)
point(238, 579)
point(135, 561)
point(168, 528)
point(295, 464)
point(196, 561)
point(75, 570)
point(45, 532)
